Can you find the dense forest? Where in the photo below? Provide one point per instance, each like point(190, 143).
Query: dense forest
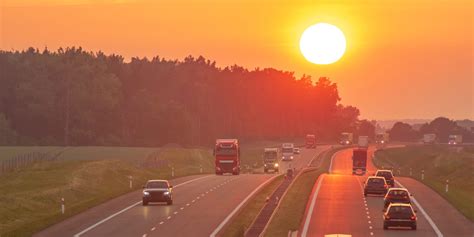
point(75, 97)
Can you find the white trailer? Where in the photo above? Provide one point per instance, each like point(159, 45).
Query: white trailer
point(429, 138)
point(363, 141)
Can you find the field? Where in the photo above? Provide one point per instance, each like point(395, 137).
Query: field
point(440, 163)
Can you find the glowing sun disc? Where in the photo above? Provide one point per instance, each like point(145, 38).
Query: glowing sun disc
point(322, 43)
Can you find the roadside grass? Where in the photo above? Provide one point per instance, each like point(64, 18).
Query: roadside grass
point(7, 152)
point(440, 163)
point(30, 197)
point(250, 211)
point(290, 214)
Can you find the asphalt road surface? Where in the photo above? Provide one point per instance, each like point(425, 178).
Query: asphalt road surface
point(202, 205)
point(337, 206)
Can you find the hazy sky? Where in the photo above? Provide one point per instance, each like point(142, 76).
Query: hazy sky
point(404, 58)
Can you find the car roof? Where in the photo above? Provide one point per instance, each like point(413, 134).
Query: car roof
point(227, 140)
point(375, 177)
point(384, 170)
point(271, 149)
point(400, 204)
point(398, 189)
point(157, 180)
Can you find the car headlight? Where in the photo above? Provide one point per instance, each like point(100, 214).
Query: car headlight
point(166, 193)
point(276, 165)
point(145, 193)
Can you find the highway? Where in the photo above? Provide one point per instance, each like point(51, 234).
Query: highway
point(202, 206)
point(337, 206)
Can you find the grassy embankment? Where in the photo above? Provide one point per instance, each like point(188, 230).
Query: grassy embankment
point(440, 163)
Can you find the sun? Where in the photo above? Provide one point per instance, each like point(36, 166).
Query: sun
point(323, 43)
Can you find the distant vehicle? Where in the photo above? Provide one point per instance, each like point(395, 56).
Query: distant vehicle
point(381, 138)
point(310, 141)
point(227, 156)
point(359, 160)
point(296, 150)
point(454, 139)
point(337, 235)
point(346, 138)
point(399, 215)
point(375, 185)
point(287, 151)
point(157, 191)
point(396, 195)
point(363, 141)
point(429, 138)
point(289, 173)
point(388, 175)
point(270, 160)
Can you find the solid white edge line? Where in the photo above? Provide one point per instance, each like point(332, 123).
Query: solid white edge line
point(428, 218)
point(311, 207)
point(128, 208)
point(224, 222)
point(332, 158)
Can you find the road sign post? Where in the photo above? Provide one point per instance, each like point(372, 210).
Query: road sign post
point(130, 178)
point(63, 207)
point(422, 174)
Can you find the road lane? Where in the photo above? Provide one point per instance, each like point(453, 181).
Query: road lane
point(341, 208)
point(199, 207)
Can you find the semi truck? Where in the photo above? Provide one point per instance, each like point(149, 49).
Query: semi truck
point(270, 160)
point(454, 139)
point(363, 141)
point(381, 138)
point(287, 151)
point(359, 161)
point(346, 138)
point(429, 138)
point(310, 141)
point(227, 156)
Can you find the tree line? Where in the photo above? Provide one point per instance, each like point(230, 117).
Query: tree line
point(75, 97)
point(441, 126)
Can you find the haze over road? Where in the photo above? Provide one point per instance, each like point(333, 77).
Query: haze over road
point(340, 206)
point(199, 207)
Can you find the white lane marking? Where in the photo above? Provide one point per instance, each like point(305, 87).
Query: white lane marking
point(161, 223)
point(193, 200)
point(332, 158)
point(427, 217)
point(144, 235)
point(129, 207)
point(311, 207)
point(187, 204)
point(175, 212)
point(153, 229)
point(370, 227)
point(198, 197)
point(169, 217)
point(182, 208)
point(371, 233)
point(236, 209)
point(370, 222)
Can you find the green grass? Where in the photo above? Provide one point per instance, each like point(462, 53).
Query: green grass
point(291, 211)
point(250, 211)
point(439, 163)
point(7, 152)
point(29, 197)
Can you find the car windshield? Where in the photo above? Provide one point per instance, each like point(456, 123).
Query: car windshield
point(157, 185)
point(287, 150)
point(400, 211)
point(399, 193)
point(375, 181)
point(385, 174)
point(226, 151)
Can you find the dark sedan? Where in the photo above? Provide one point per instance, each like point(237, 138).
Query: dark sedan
point(375, 185)
point(157, 191)
point(397, 195)
point(399, 215)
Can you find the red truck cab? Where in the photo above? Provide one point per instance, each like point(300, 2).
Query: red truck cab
point(310, 141)
point(359, 160)
point(227, 156)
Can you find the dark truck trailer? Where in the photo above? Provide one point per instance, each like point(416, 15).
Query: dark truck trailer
point(359, 160)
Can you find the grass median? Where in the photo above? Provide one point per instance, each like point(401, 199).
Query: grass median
point(440, 163)
point(250, 211)
point(291, 211)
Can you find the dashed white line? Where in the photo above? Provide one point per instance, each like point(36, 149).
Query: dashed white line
point(169, 217)
point(187, 204)
point(194, 200)
point(370, 222)
point(153, 229)
point(161, 223)
point(371, 233)
point(370, 227)
point(175, 213)
point(182, 208)
point(144, 235)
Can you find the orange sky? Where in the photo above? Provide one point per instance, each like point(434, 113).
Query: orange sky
point(404, 59)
